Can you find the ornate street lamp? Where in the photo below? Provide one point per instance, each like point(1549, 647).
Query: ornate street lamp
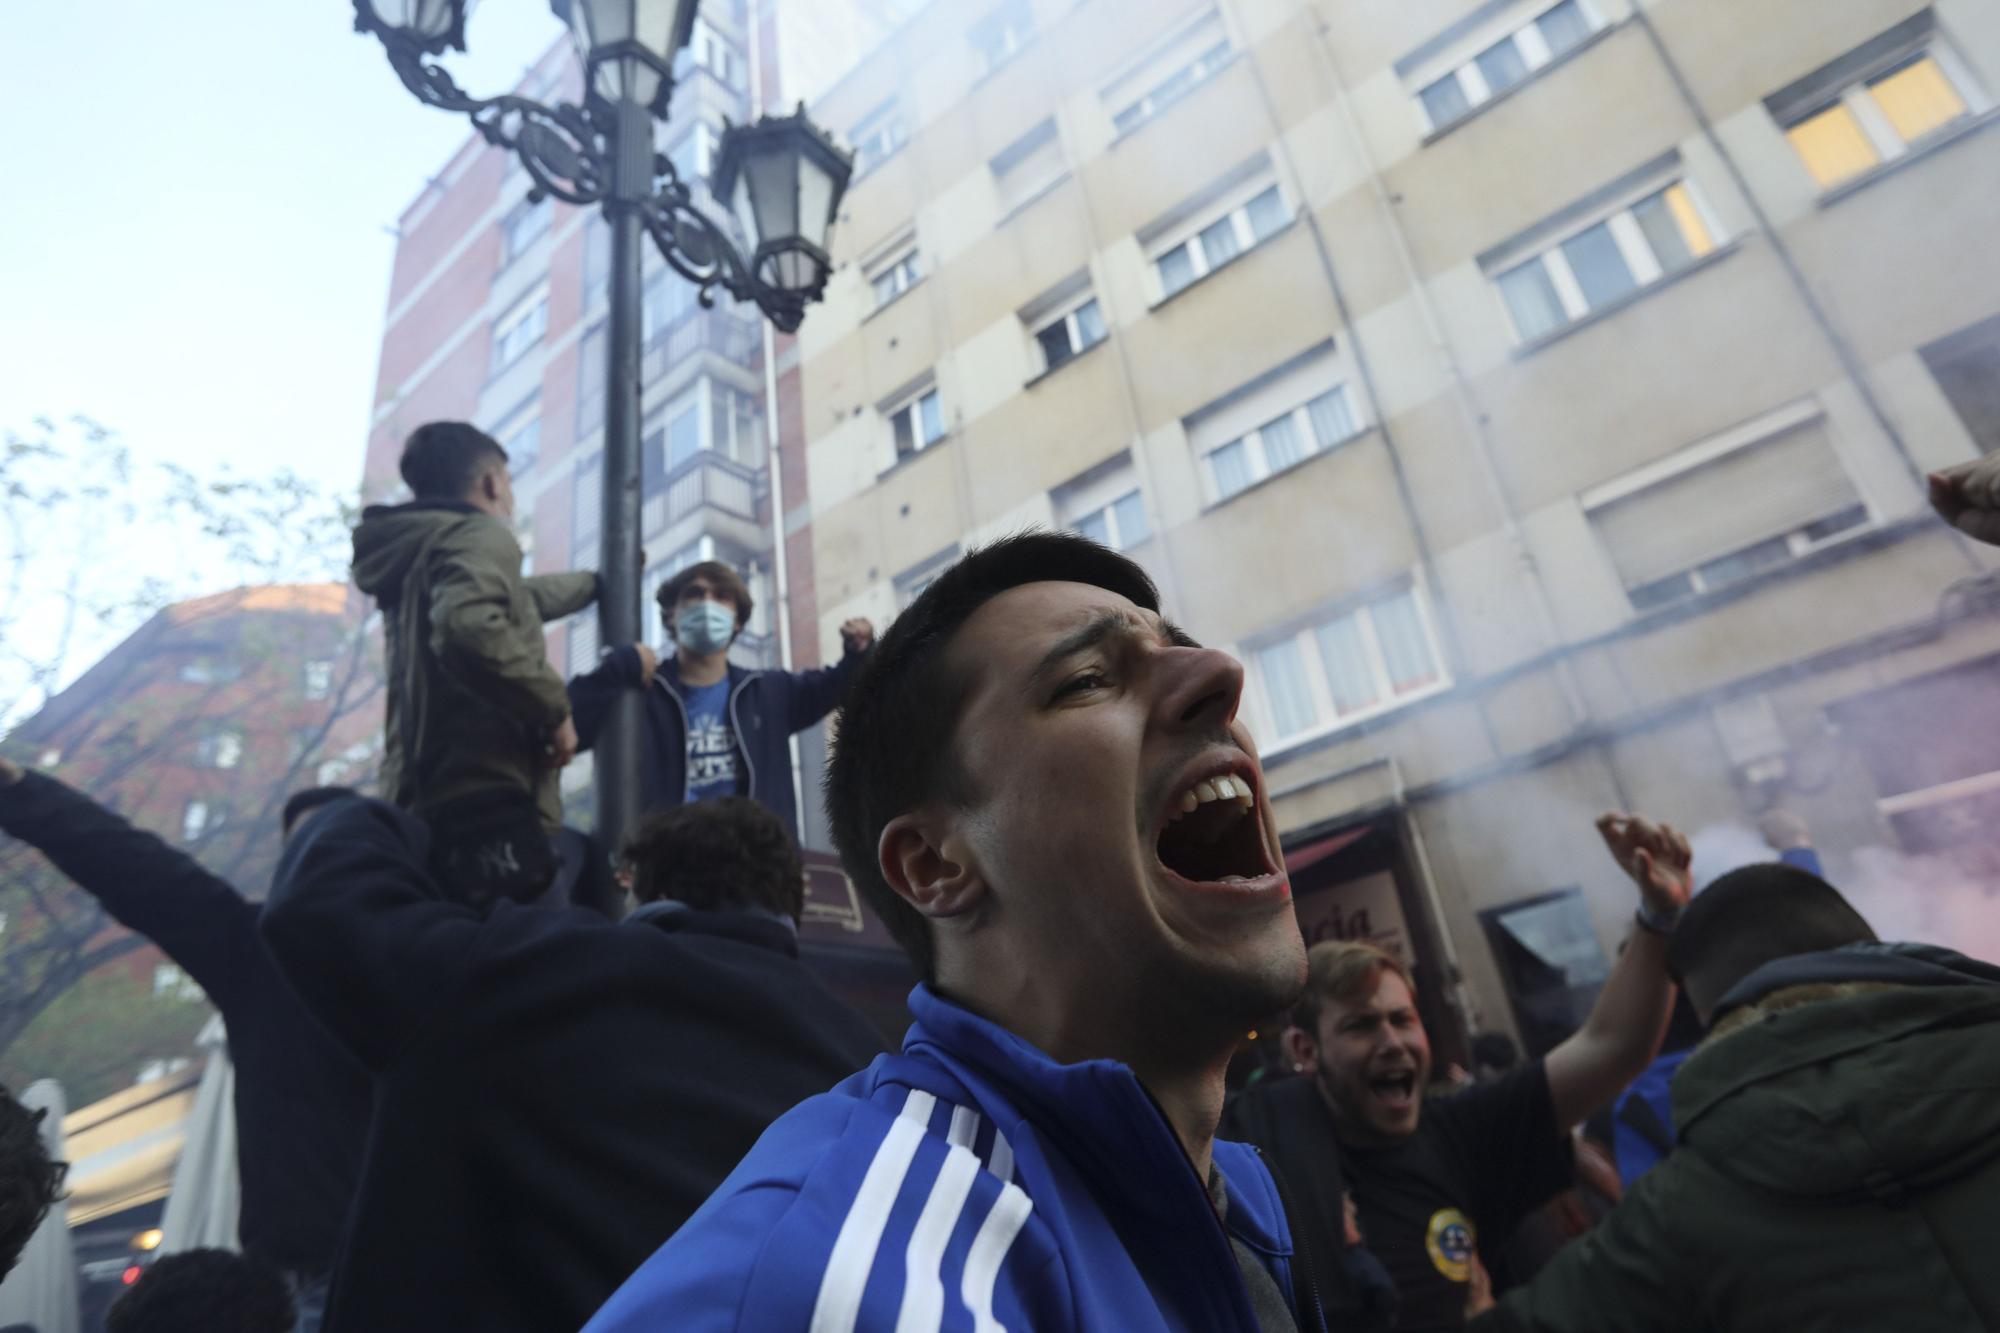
point(782, 180)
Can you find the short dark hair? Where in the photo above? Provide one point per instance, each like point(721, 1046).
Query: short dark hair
point(893, 748)
point(715, 571)
point(212, 1290)
point(1757, 915)
point(304, 802)
point(716, 856)
point(30, 1181)
point(442, 459)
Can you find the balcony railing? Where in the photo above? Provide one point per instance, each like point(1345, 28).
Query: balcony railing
point(708, 480)
point(728, 334)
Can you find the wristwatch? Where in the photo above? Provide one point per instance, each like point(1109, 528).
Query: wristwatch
point(1653, 919)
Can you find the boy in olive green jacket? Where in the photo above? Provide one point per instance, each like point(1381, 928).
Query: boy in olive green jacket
point(478, 721)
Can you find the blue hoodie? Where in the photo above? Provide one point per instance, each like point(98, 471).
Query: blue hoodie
point(970, 1183)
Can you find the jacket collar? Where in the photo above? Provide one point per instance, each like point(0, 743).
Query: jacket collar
point(767, 930)
point(1106, 1123)
point(1896, 964)
point(669, 677)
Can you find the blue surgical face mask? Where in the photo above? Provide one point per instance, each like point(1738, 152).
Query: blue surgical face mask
point(705, 627)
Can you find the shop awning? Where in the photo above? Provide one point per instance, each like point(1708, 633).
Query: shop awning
point(1312, 853)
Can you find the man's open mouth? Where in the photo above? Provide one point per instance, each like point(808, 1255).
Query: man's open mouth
point(1397, 1090)
point(1213, 835)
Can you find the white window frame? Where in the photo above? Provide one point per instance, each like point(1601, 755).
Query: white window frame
point(1532, 47)
point(1046, 134)
point(1235, 207)
point(195, 819)
point(220, 749)
point(1118, 540)
point(532, 309)
point(1633, 248)
point(508, 430)
point(1259, 459)
point(513, 244)
point(1001, 34)
point(912, 404)
point(1306, 638)
point(900, 265)
point(714, 52)
point(878, 136)
point(318, 682)
point(1069, 318)
point(705, 140)
point(1876, 127)
point(1204, 66)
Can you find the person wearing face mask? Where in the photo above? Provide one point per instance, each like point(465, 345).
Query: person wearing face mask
point(713, 729)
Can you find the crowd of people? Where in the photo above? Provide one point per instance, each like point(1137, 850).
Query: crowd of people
point(493, 1077)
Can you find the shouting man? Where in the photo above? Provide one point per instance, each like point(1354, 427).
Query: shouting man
point(1439, 1189)
point(1042, 786)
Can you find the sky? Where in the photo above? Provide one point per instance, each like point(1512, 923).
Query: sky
point(200, 204)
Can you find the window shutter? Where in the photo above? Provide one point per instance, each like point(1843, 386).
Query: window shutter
point(1759, 491)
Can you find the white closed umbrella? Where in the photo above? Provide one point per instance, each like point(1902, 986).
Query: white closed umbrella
point(41, 1291)
point(206, 1198)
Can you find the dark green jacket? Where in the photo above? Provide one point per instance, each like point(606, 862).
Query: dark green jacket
point(1838, 1167)
point(472, 698)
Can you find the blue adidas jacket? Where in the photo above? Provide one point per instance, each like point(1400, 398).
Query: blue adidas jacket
point(968, 1183)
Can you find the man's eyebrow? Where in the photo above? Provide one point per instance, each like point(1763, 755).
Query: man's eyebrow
point(1105, 624)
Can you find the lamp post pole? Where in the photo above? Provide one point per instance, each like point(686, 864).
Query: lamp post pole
point(621, 558)
point(781, 178)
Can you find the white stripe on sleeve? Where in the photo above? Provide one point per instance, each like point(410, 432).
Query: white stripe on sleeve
point(853, 1255)
point(923, 1282)
point(1002, 1156)
point(989, 1250)
point(964, 1126)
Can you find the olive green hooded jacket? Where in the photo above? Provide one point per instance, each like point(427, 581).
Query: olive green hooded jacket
point(1838, 1166)
point(472, 699)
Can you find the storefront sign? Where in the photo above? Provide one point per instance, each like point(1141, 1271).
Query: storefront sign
point(1358, 909)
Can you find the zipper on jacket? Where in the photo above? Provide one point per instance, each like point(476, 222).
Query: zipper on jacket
point(687, 729)
point(736, 735)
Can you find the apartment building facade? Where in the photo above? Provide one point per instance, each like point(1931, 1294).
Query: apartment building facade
point(1534, 394)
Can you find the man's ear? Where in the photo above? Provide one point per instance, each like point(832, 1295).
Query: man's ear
point(1301, 1050)
point(928, 866)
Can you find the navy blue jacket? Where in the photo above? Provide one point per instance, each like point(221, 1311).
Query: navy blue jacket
point(765, 708)
point(969, 1183)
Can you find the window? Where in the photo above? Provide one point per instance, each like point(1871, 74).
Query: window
point(1966, 366)
point(666, 300)
point(1877, 103)
point(219, 749)
point(1241, 227)
point(171, 982)
point(520, 434)
point(1727, 509)
point(1284, 441)
point(1606, 260)
point(590, 381)
point(999, 37)
point(582, 652)
point(1028, 166)
point(1063, 337)
point(910, 584)
point(711, 51)
point(1467, 84)
point(318, 679)
point(706, 416)
point(1186, 60)
point(209, 671)
point(1105, 504)
point(878, 137)
point(694, 156)
point(1551, 962)
point(524, 224)
point(587, 504)
point(892, 276)
point(1362, 661)
point(1880, 118)
point(519, 329)
point(194, 820)
point(917, 423)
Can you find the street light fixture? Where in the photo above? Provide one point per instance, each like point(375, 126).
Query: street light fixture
point(781, 177)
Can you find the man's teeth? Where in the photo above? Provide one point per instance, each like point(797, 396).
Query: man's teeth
point(1228, 787)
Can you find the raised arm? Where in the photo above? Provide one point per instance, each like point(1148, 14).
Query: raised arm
point(815, 693)
point(360, 931)
point(564, 594)
point(1622, 1034)
point(166, 895)
point(629, 667)
point(475, 634)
